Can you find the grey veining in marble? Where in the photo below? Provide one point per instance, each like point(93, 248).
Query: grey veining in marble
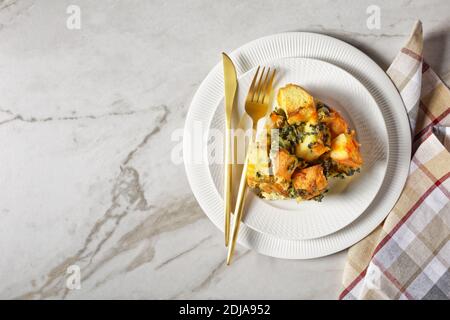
point(85, 123)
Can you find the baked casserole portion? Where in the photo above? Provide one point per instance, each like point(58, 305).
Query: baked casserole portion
point(304, 145)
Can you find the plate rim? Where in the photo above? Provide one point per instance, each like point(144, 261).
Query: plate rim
point(303, 249)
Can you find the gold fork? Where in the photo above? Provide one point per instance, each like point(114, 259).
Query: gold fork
point(256, 106)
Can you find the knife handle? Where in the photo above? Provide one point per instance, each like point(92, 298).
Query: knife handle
point(227, 184)
point(240, 201)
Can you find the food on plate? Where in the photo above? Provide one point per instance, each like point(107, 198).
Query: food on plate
point(345, 151)
point(305, 144)
point(298, 104)
point(309, 182)
point(332, 119)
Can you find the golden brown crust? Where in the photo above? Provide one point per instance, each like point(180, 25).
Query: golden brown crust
point(284, 165)
point(310, 181)
point(298, 104)
point(336, 123)
point(345, 151)
point(273, 188)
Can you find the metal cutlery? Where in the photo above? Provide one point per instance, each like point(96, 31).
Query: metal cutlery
point(256, 107)
point(230, 81)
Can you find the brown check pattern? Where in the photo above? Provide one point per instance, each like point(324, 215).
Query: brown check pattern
point(408, 256)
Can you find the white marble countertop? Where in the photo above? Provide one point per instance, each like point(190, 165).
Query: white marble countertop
point(85, 122)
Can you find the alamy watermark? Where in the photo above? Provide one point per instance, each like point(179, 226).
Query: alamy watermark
point(207, 145)
point(73, 21)
point(73, 281)
point(374, 19)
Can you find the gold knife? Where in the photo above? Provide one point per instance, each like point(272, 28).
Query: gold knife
point(229, 73)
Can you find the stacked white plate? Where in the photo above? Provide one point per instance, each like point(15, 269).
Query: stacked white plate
point(347, 80)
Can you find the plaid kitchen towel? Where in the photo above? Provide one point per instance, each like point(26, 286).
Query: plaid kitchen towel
point(408, 256)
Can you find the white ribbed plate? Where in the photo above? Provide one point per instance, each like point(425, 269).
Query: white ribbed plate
point(345, 56)
point(346, 199)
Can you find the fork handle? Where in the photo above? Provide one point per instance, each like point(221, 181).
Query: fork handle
point(240, 201)
point(227, 185)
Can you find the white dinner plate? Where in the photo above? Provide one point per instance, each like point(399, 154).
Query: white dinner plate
point(342, 55)
point(346, 199)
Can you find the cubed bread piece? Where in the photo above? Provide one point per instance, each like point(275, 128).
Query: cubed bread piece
point(259, 175)
point(283, 164)
point(309, 182)
point(333, 119)
point(336, 123)
point(298, 104)
point(345, 151)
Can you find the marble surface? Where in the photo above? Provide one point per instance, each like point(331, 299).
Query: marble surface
point(85, 123)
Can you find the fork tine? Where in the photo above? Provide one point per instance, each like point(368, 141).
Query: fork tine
point(269, 88)
point(259, 87)
point(251, 91)
point(264, 87)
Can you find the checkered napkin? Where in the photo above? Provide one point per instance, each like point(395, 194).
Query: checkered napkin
point(408, 256)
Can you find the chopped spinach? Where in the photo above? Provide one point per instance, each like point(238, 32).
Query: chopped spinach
point(318, 198)
point(292, 193)
point(280, 112)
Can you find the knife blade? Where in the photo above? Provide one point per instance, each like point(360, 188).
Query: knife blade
point(230, 87)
